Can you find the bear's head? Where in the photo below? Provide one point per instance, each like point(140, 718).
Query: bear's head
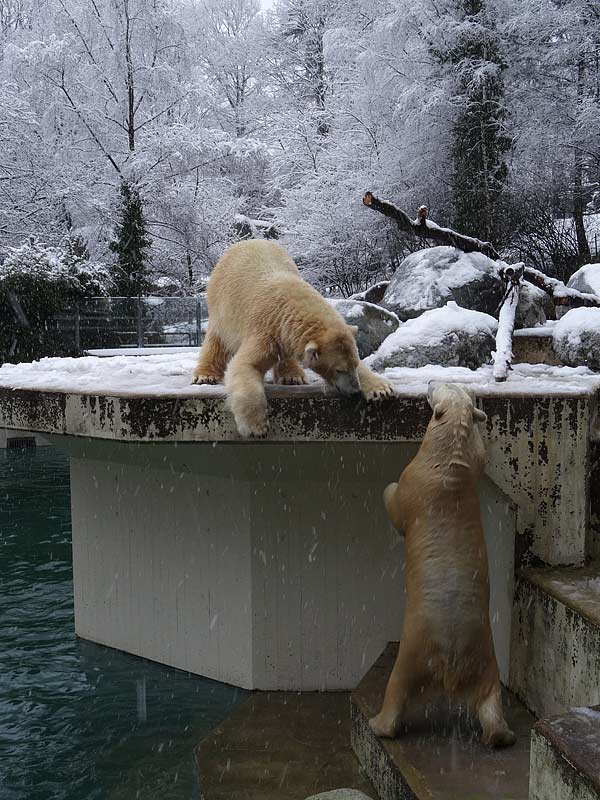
point(334, 356)
point(453, 429)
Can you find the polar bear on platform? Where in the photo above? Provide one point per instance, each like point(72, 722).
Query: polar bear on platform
point(263, 315)
point(446, 645)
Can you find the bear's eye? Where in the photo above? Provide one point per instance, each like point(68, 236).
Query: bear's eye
point(341, 371)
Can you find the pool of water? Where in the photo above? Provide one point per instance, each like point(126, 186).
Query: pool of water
point(79, 721)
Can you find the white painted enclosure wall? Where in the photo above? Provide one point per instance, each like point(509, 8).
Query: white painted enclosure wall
point(267, 566)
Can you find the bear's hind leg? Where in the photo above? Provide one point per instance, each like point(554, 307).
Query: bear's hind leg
point(244, 382)
point(496, 732)
point(213, 360)
point(408, 680)
point(288, 371)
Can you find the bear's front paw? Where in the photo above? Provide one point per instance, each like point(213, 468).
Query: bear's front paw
point(256, 427)
point(382, 726)
point(376, 388)
point(203, 378)
point(292, 380)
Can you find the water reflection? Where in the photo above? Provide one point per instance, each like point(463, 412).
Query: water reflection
point(79, 721)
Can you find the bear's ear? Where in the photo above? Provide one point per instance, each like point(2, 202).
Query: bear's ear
point(353, 329)
point(311, 355)
point(479, 415)
point(438, 411)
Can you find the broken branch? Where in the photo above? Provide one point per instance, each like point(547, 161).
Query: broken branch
point(561, 294)
point(424, 228)
point(512, 276)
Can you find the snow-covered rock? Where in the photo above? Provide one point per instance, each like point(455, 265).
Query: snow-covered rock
point(449, 336)
point(430, 278)
point(374, 323)
point(535, 306)
point(586, 279)
point(576, 338)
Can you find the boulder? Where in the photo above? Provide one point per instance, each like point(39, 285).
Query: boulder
point(576, 338)
point(374, 323)
point(450, 336)
point(535, 306)
point(586, 279)
point(430, 278)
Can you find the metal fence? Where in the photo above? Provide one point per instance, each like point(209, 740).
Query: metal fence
point(110, 322)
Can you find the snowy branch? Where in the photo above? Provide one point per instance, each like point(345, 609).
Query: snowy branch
point(561, 294)
point(424, 228)
point(506, 321)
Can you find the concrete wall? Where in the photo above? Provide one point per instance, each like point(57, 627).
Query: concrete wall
point(275, 569)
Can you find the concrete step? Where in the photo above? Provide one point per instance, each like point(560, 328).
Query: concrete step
point(439, 756)
point(565, 762)
point(555, 639)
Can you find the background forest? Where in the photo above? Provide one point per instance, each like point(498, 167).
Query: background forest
point(138, 138)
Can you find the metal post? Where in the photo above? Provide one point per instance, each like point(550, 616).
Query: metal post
point(198, 322)
point(140, 329)
point(77, 323)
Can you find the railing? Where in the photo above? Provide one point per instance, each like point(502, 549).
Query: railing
point(110, 322)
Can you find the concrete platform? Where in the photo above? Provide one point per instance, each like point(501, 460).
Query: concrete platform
point(439, 755)
point(555, 652)
point(281, 746)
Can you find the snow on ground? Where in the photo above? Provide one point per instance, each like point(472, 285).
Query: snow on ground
point(170, 376)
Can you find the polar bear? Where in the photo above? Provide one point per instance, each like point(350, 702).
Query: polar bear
point(446, 644)
point(263, 315)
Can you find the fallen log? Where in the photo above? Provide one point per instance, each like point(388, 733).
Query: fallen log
point(424, 228)
point(561, 294)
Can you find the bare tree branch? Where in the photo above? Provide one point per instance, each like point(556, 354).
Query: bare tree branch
point(423, 228)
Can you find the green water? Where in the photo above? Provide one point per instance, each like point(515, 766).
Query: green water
point(79, 721)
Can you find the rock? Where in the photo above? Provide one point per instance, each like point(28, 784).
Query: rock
point(430, 278)
point(374, 323)
point(576, 338)
point(374, 294)
point(340, 794)
point(450, 336)
point(586, 279)
point(535, 306)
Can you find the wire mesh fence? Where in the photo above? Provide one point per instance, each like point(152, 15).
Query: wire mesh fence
point(111, 322)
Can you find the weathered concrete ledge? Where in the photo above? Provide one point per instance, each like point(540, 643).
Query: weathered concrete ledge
point(539, 450)
point(564, 757)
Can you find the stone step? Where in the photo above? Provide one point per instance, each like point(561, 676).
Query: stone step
point(439, 756)
point(564, 757)
point(555, 639)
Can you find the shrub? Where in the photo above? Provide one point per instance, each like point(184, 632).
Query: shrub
point(36, 283)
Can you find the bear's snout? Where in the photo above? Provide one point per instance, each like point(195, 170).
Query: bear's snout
point(347, 383)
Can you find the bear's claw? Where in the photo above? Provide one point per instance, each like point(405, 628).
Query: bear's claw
point(211, 380)
point(378, 390)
